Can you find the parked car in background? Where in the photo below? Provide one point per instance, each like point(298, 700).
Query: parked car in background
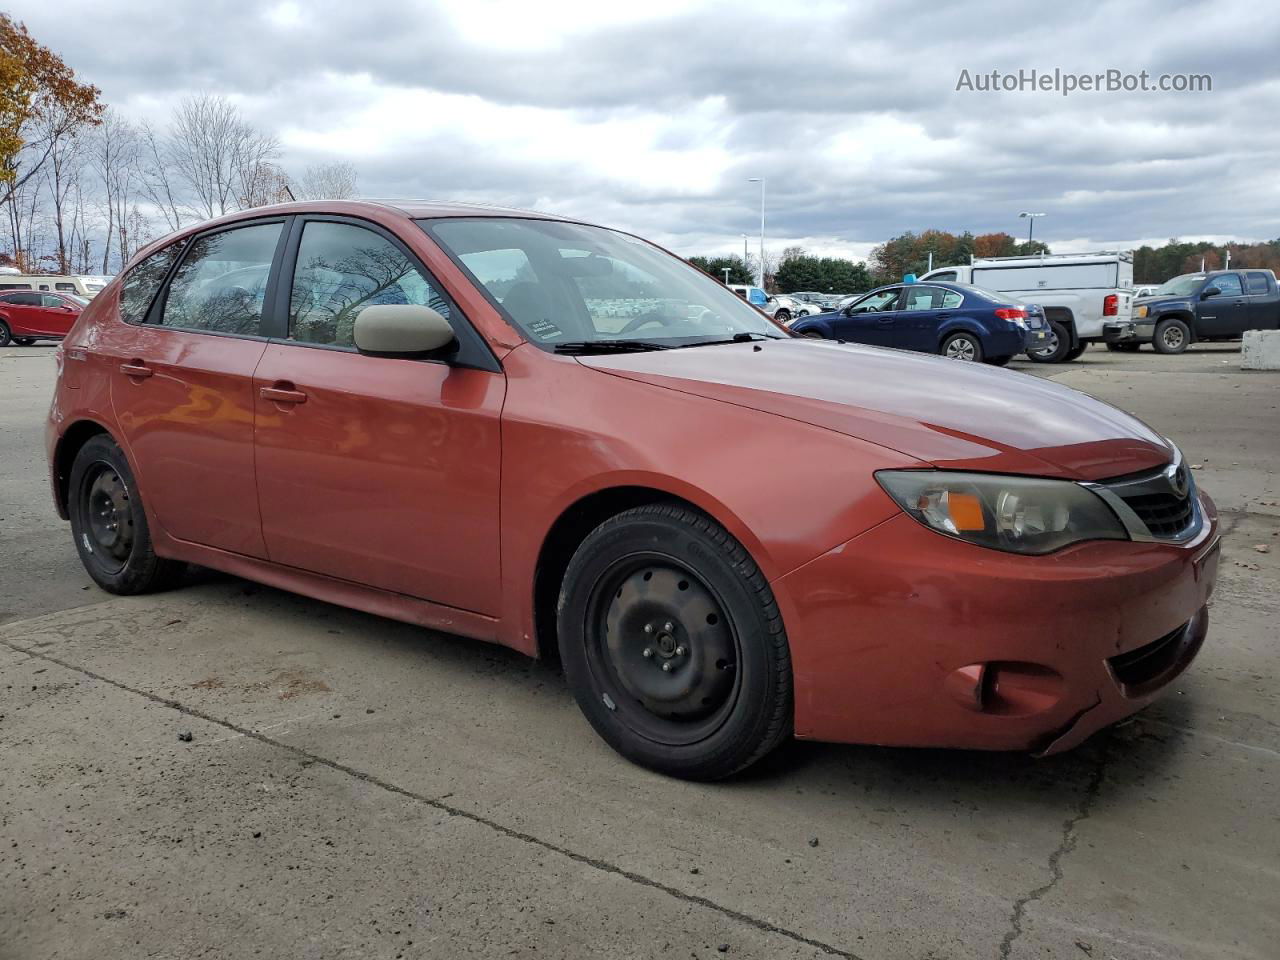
point(356, 401)
point(952, 319)
point(82, 286)
point(1086, 297)
point(26, 317)
point(752, 294)
point(1144, 289)
point(1196, 307)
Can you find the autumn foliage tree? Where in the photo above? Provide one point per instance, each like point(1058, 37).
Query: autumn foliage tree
point(35, 85)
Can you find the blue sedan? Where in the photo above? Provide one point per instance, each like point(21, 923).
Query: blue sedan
point(952, 319)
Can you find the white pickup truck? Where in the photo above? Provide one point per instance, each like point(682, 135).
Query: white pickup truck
point(1086, 297)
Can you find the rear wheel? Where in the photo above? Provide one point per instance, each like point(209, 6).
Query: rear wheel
point(1075, 352)
point(962, 346)
point(1059, 344)
point(5, 335)
point(1172, 336)
point(23, 341)
point(782, 316)
point(110, 525)
point(673, 645)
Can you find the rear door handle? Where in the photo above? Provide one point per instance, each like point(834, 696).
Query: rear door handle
point(282, 394)
point(135, 368)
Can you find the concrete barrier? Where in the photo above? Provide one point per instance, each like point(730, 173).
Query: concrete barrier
point(1261, 350)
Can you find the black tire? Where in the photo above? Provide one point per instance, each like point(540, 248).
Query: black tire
point(1124, 347)
point(1075, 353)
point(5, 335)
point(1057, 352)
point(782, 316)
point(110, 526)
point(962, 346)
point(813, 335)
point(1172, 336)
point(999, 361)
point(23, 341)
point(713, 694)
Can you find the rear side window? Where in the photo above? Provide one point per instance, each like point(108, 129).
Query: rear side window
point(341, 270)
point(949, 275)
point(1257, 282)
point(951, 299)
point(24, 299)
point(143, 281)
point(221, 284)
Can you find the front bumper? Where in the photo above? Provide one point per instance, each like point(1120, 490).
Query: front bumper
point(905, 637)
point(1132, 331)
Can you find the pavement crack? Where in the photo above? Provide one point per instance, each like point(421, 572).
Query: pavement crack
point(603, 866)
point(1066, 844)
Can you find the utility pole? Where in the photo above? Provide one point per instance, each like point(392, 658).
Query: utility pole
point(726, 275)
point(760, 180)
point(1228, 264)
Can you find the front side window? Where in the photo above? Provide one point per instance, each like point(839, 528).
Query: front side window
point(570, 283)
point(52, 300)
point(1229, 284)
point(341, 270)
point(876, 302)
point(221, 283)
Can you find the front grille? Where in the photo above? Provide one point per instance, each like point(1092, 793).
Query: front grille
point(1139, 667)
point(1165, 514)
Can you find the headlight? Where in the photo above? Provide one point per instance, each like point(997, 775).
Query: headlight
point(1018, 514)
point(1140, 312)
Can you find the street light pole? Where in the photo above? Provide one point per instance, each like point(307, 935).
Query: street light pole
point(725, 271)
point(760, 180)
point(1031, 223)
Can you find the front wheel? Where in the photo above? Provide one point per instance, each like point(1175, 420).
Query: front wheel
point(110, 525)
point(23, 341)
point(962, 346)
point(1172, 336)
point(782, 316)
point(673, 645)
point(5, 335)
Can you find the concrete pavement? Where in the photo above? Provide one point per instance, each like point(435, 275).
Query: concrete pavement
point(357, 787)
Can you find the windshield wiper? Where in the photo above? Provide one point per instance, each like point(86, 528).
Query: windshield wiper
point(736, 338)
point(585, 347)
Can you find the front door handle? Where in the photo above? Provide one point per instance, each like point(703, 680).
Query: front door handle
point(135, 368)
point(283, 393)
point(944, 316)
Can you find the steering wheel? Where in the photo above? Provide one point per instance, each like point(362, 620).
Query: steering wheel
point(635, 323)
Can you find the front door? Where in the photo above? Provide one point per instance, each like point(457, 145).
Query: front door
point(379, 470)
point(182, 383)
point(873, 319)
point(57, 314)
point(1226, 313)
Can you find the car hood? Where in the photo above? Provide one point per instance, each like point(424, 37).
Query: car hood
point(943, 412)
point(1163, 302)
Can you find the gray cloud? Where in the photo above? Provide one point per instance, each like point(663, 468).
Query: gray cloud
point(851, 113)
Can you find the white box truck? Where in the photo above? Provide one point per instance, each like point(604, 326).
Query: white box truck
point(1086, 297)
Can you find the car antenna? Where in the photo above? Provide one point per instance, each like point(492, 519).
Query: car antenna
point(290, 193)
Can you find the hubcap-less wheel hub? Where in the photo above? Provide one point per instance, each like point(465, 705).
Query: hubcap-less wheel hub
point(110, 516)
point(669, 644)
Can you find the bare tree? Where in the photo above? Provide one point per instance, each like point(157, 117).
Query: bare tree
point(62, 177)
point(327, 181)
point(215, 153)
point(115, 160)
point(263, 184)
point(157, 176)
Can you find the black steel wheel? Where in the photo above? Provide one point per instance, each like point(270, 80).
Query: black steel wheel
point(673, 645)
point(110, 525)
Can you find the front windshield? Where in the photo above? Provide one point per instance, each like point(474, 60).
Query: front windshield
point(1182, 286)
point(569, 283)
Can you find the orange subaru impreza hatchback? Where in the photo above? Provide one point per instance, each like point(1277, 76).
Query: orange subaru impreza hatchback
point(559, 437)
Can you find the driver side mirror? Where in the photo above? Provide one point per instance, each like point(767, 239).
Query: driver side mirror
point(401, 330)
point(1208, 292)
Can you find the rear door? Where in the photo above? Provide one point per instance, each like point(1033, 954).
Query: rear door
point(182, 382)
point(923, 310)
point(379, 470)
point(23, 313)
point(1264, 305)
point(1226, 313)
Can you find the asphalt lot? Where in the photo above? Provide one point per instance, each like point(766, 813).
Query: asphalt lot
point(359, 788)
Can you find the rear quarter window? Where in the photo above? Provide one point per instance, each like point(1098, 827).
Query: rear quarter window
point(143, 281)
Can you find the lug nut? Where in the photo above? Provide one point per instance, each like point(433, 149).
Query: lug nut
point(668, 626)
point(648, 628)
point(680, 651)
point(666, 666)
point(648, 651)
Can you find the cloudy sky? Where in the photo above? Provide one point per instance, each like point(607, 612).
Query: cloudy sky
point(652, 115)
